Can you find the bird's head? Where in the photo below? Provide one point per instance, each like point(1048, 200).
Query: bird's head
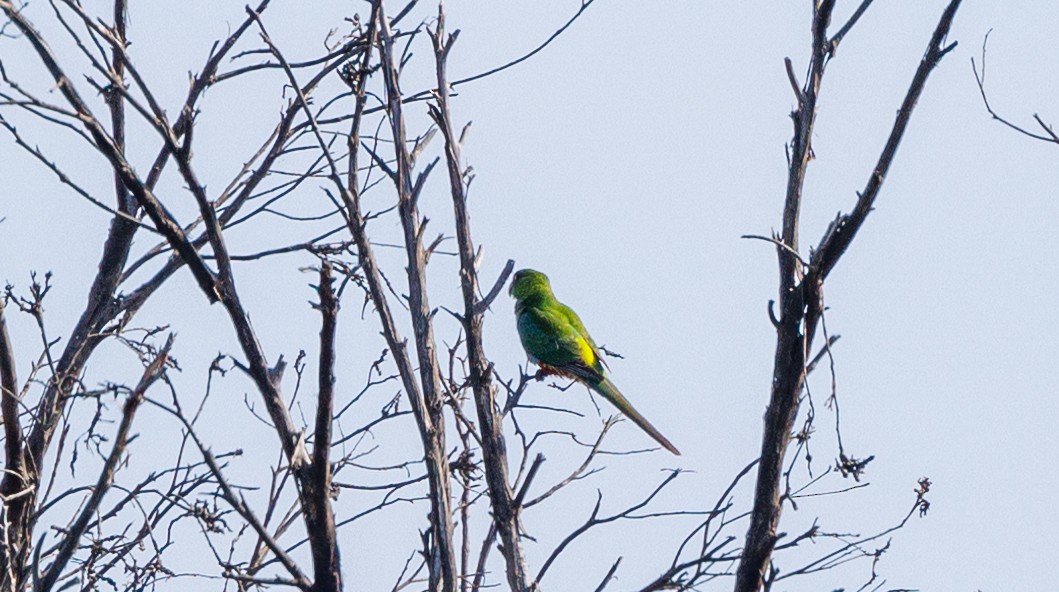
point(529, 284)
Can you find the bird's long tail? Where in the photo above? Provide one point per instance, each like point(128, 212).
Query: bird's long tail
point(611, 393)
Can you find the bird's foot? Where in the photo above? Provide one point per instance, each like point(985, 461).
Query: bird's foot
point(544, 372)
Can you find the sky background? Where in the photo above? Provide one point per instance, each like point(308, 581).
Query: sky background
point(625, 160)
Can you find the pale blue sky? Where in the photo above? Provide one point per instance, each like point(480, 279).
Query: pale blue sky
point(625, 161)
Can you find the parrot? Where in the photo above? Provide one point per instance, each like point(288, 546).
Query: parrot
point(556, 340)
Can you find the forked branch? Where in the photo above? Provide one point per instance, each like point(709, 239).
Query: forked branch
point(801, 289)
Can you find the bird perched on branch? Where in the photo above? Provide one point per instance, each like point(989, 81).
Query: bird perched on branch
point(556, 340)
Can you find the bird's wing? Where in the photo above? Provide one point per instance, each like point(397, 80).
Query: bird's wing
point(575, 322)
point(550, 338)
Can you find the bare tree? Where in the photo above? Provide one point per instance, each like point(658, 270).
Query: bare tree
point(356, 144)
point(801, 295)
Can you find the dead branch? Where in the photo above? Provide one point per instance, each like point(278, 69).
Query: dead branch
point(490, 420)
point(161, 218)
point(444, 576)
point(979, 77)
point(319, 515)
point(594, 520)
point(72, 538)
point(801, 290)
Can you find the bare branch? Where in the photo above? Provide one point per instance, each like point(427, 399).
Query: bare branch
point(838, 237)
point(490, 420)
point(979, 77)
point(584, 6)
point(319, 515)
point(610, 575)
point(238, 504)
point(15, 482)
point(443, 565)
point(801, 298)
point(859, 12)
point(162, 219)
point(484, 304)
point(594, 520)
point(72, 537)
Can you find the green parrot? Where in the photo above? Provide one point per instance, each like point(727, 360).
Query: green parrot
point(556, 340)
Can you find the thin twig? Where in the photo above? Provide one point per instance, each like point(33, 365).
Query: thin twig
point(979, 77)
point(594, 520)
point(72, 538)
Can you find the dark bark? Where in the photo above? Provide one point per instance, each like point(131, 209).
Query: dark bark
point(801, 289)
point(490, 420)
point(319, 515)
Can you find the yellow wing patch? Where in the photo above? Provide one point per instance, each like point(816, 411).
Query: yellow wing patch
point(588, 354)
